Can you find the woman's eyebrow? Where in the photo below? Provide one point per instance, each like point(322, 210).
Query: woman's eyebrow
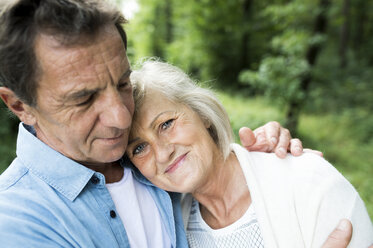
point(133, 140)
point(151, 125)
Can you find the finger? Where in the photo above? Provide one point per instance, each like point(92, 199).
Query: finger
point(247, 136)
point(263, 135)
point(318, 153)
point(273, 131)
point(283, 143)
point(261, 144)
point(296, 148)
point(341, 236)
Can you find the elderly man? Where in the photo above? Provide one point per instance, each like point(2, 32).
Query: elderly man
point(65, 75)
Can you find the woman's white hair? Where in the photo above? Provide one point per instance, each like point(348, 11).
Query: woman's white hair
point(178, 87)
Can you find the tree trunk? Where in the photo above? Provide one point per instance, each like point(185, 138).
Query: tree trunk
point(313, 51)
point(361, 17)
point(245, 59)
point(157, 48)
point(344, 35)
point(168, 14)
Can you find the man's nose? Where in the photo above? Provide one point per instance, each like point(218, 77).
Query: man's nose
point(164, 152)
point(114, 113)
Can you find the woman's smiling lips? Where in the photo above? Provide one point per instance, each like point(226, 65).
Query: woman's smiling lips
point(179, 161)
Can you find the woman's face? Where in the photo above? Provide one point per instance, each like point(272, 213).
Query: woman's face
point(170, 145)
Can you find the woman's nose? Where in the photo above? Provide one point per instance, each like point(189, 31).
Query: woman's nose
point(164, 152)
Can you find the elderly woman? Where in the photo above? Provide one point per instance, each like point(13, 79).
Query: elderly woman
point(181, 140)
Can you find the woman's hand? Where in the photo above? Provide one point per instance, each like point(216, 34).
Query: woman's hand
point(272, 137)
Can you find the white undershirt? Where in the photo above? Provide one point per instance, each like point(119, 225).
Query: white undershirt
point(244, 232)
point(138, 212)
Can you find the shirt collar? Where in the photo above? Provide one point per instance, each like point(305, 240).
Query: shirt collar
point(63, 174)
point(126, 162)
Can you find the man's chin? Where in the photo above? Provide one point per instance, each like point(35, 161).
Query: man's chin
point(100, 161)
point(111, 156)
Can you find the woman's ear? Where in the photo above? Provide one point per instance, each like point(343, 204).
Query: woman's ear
point(207, 123)
point(17, 106)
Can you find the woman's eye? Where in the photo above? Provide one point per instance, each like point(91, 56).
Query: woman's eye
point(138, 149)
point(165, 125)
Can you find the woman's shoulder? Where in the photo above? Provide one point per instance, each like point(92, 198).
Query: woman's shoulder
point(304, 192)
point(308, 170)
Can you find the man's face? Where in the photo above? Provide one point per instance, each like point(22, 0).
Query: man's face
point(84, 98)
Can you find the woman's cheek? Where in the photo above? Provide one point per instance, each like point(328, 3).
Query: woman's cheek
point(179, 132)
point(147, 167)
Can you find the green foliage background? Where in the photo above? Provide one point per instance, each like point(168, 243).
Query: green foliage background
point(307, 64)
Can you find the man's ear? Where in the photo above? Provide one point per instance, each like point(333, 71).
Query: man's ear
point(17, 106)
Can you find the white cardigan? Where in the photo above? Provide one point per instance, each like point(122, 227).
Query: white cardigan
point(299, 200)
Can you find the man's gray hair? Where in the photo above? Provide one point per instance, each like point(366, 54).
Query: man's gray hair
point(21, 21)
point(178, 87)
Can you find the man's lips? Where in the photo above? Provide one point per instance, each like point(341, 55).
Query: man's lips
point(112, 140)
point(179, 161)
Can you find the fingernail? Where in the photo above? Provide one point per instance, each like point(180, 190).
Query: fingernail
point(282, 150)
point(298, 149)
point(274, 140)
point(343, 225)
point(260, 139)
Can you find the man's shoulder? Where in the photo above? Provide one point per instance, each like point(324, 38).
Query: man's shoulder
point(30, 209)
point(18, 192)
point(19, 186)
point(15, 172)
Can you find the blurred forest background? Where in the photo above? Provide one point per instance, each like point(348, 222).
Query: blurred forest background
point(305, 63)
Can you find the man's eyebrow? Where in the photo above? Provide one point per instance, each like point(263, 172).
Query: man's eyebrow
point(126, 74)
point(86, 92)
point(79, 94)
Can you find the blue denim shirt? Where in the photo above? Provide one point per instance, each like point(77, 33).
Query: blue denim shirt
point(48, 200)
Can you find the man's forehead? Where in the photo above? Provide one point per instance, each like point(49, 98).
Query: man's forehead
point(75, 66)
point(56, 39)
point(48, 49)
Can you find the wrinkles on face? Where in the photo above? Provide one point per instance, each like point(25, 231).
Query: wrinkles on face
point(77, 85)
point(178, 158)
point(88, 68)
